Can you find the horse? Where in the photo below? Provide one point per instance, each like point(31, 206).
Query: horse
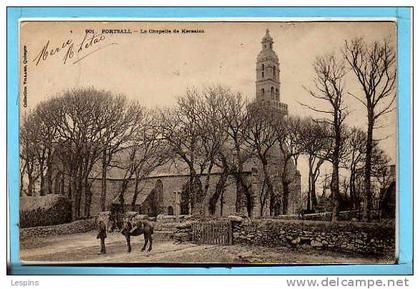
point(133, 227)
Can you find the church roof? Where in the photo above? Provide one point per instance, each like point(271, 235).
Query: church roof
point(174, 168)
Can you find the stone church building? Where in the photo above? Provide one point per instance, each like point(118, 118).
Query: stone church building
point(164, 188)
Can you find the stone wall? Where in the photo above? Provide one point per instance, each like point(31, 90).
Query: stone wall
point(366, 238)
point(80, 226)
point(346, 237)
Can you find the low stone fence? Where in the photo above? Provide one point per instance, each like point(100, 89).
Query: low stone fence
point(170, 223)
point(351, 237)
point(366, 238)
point(80, 226)
point(165, 226)
point(183, 232)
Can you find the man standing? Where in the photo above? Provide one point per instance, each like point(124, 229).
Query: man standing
point(102, 236)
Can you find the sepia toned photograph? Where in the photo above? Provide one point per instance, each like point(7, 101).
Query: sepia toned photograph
point(208, 142)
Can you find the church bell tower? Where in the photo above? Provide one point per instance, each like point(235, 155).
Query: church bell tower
point(268, 75)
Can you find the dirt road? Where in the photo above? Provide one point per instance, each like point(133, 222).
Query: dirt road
point(83, 248)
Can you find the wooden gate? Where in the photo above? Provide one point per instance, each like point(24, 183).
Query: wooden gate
point(212, 232)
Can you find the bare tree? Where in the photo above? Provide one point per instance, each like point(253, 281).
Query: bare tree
point(329, 88)
point(288, 133)
point(262, 137)
point(180, 128)
point(317, 145)
point(382, 169)
point(143, 152)
point(236, 151)
point(355, 163)
point(213, 137)
point(81, 118)
point(374, 67)
point(46, 143)
point(118, 133)
point(28, 153)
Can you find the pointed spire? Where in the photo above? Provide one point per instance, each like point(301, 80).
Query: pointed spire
point(267, 40)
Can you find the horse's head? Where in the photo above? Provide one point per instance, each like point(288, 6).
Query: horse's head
point(126, 225)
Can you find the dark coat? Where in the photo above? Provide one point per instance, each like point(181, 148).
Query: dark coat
point(101, 230)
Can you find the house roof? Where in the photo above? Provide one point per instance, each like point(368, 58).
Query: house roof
point(128, 196)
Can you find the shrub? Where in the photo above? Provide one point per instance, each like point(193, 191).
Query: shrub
point(44, 211)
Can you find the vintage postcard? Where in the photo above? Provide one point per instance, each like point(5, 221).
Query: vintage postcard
point(208, 142)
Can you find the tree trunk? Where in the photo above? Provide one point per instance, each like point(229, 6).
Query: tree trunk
point(49, 174)
point(42, 183)
point(191, 194)
point(268, 183)
point(56, 183)
point(88, 200)
point(220, 188)
point(352, 189)
point(124, 186)
point(195, 192)
point(48, 177)
point(78, 194)
point(310, 175)
point(70, 186)
point(206, 198)
point(62, 182)
point(335, 192)
point(30, 181)
point(263, 197)
point(222, 202)
point(335, 181)
point(245, 193)
point(136, 193)
point(74, 197)
point(240, 194)
point(335, 185)
point(367, 204)
point(104, 182)
point(313, 192)
point(22, 173)
point(308, 200)
point(285, 197)
point(41, 162)
point(272, 204)
point(248, 195)
point(312, 178)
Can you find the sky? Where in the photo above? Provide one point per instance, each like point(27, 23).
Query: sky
point(156, 68)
